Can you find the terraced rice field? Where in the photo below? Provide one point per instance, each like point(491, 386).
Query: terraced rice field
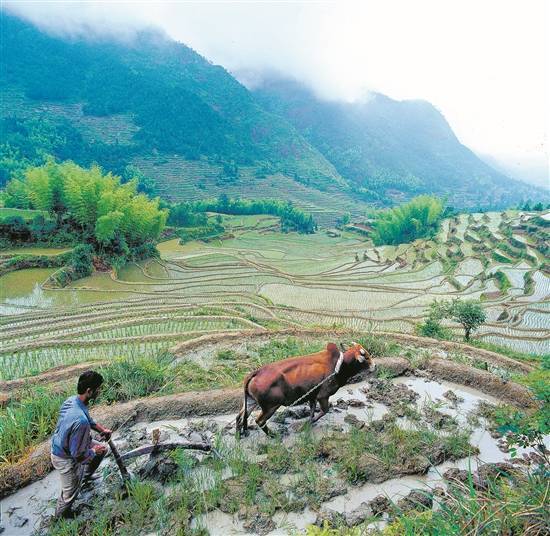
point(262, 279)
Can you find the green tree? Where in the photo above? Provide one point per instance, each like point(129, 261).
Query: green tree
point(107, 226)
point(418, 218)
point(469, 313)
point(112, 217)
point(16, 195)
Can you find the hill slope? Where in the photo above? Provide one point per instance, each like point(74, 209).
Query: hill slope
point(189, 124)
point(114, 101)
point(381, 144)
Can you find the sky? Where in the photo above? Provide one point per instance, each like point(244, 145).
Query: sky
point(483, 63)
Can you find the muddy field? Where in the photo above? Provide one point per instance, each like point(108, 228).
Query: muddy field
point(387, 443)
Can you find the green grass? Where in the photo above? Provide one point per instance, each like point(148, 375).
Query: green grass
point(508, 352)
point(27, 215)
point(255, 489)
point(32, 418)
point(364, 453)
point(28, 421)
point(127, 379)
point(512, 504)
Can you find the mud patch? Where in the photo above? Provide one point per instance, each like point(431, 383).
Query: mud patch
point(301, 474)
point(396, 396)
point(486, 382)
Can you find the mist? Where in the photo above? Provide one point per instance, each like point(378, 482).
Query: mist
point(484, 65)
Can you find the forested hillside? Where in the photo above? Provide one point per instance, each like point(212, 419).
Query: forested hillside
point(155, 109)
point(110, 102)
point(381, 144)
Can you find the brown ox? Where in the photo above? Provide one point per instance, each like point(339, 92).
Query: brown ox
point(283, 383)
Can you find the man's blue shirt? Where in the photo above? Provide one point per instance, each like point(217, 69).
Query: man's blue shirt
point(72, 438)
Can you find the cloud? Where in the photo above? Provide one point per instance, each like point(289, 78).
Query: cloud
point(78, 19)
point(483, 64)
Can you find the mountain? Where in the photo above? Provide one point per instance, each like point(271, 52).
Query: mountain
point(151, 103)
point(382, 145)
point(156, 105)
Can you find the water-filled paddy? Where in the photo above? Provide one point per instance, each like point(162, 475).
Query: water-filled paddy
point(34, 251)
point(313, 274)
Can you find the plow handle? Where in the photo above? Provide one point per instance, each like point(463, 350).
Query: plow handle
point(123, 471)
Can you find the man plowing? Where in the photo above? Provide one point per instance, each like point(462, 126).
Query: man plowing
point(73, 452)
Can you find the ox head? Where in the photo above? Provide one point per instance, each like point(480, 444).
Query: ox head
point(361, 355)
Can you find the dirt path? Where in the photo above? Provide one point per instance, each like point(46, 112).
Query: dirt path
point(421, 342)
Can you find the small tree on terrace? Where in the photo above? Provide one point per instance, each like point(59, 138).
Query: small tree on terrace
point(432, 327)
point(469, 313)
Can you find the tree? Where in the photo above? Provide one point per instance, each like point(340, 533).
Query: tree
point(145, 185)
point(107, 226)
point(16, 194)
point(432, 327)
point(418, 218)
point(469, 313)
point(95, 206)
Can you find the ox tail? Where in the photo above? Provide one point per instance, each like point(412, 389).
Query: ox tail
point(242, 418)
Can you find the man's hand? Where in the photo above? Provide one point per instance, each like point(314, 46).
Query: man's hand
point(104, 432)
point(99, 450)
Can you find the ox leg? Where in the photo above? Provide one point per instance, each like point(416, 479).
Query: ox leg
point(241, 423)
point(323, 402)
point(312, 406)
point(264, 416)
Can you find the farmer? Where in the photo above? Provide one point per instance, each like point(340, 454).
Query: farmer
point(74, 453)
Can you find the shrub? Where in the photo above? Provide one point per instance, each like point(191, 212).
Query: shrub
point(417, 219)
point(432, 327)
point(81, 261)
point(469, 313)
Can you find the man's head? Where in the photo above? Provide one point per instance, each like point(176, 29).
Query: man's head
point(89, 384)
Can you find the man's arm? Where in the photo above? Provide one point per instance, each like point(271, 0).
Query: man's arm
point(77, 441)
